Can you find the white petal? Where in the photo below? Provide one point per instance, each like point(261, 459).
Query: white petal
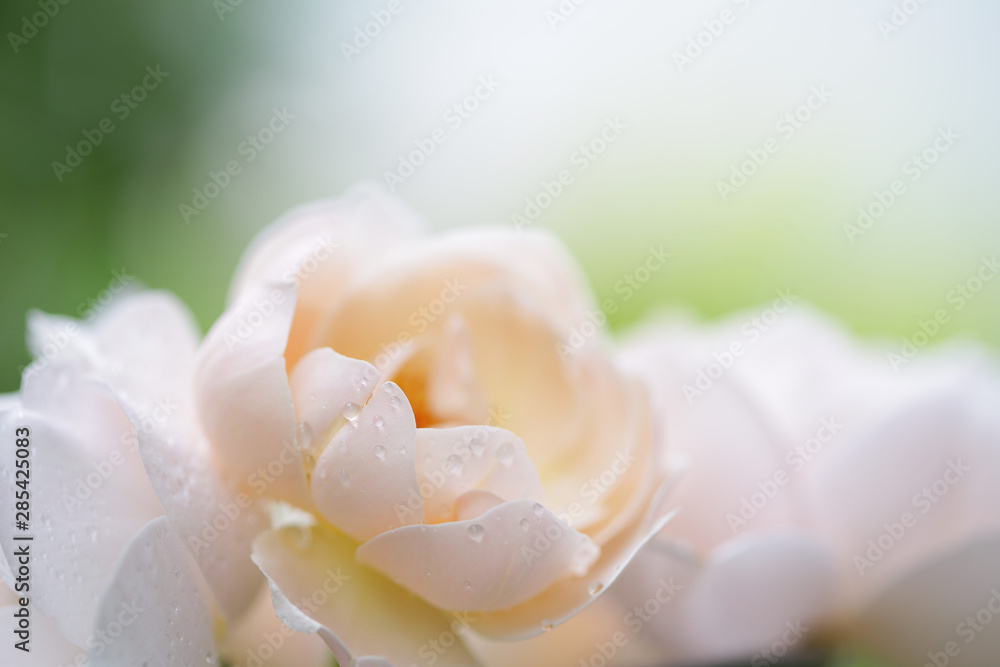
point(453, 461)
point(365, 482)
point(322, 246)
point(88, 500)
point(953, 599)
point(508, 555)
point(244, 401)
point(260, 633)
point(157, 610)
point(365, 619)
point(450, 266)
point(216, 521)
point(323, 384)
point(568, 597)
point(933, 464)
point(744, 598)
point(143, 343)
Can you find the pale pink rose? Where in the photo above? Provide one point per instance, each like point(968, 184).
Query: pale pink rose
point(125, 566)
point(469, 469)
point(805, 449)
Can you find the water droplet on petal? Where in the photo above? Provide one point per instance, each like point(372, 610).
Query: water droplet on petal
point(468, 585)
point(505, 453)
point(477, 446)
point(379, 422)
point(351, 411)
point(476, 532)
point(380, 452)
point(525, 525)
point(345, 479)
point(595, 588)
point(304, 435)
point(394, 402)
point(547, 625)
point(537, 510)
point(454, 464)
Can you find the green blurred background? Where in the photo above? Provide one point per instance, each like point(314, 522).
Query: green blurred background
point(560, 77)
point(230, 65)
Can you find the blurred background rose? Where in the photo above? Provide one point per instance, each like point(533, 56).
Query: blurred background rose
point(327, 105)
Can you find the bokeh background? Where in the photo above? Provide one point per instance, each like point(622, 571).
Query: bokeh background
point(894, 75)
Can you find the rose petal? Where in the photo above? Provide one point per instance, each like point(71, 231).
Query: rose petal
point(365, 482)
point(585, 639)
point(502, 558)
point(322, 246)
point(215, 521)
point(453, 394)
point(160, 605)
point(472, 504)
point(445, 268)
point(617, 463)
point(745, 596)
point(932, 464)
point(143, 343)
point(244, 401)
point(452, 461)
point(943, 601)
point(88, 499)
point(260, 633)
point(568, 597)
point(323, 384)
point(318, 587)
